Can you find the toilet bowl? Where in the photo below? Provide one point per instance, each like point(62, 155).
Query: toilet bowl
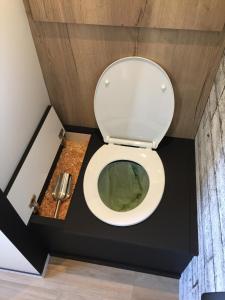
point(134, 105)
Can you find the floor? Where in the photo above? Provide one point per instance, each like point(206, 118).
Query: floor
point(67, 279)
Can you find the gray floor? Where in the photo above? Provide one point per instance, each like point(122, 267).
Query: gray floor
point(68, 279)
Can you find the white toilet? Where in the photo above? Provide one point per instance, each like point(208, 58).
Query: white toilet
point(134, 106)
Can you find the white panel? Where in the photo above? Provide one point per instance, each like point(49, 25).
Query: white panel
point(134, 100)
point(23, 95)
point(34, 171)
point(12, 259)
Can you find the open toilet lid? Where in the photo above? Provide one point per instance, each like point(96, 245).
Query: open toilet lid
point(134, 101)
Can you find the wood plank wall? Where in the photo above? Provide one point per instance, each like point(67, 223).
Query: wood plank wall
point(206, 273)
point(175, 14)
point(73, 56)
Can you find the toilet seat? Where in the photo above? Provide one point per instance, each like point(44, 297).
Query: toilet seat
point(134, 102)
point(134, 105)
point(152, 164)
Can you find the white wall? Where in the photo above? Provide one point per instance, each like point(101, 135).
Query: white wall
point(23, 95)
point(11, 258)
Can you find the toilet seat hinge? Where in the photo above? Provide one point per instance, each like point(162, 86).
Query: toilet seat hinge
point(125, 142)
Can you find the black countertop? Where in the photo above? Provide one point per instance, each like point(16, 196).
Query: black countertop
point(164, 243)
point(169, 226)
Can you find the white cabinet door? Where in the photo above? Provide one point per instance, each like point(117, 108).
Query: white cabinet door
point(12, 259)
point(34, 171)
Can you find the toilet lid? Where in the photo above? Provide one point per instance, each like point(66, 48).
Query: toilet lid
point(134, 101)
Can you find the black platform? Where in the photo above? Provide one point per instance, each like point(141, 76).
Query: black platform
point(214, 296)
point(163, 244)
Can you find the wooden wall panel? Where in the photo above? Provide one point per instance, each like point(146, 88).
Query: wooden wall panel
point(206, 272)
point(59, 69)
point(98, 46)
point(173, 14)
point(74, 56)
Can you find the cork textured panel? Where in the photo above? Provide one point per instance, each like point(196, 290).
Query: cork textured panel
point(70, 161)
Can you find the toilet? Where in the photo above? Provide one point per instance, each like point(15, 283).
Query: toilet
point(134, 105)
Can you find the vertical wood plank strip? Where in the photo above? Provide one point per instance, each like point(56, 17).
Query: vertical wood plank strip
point(206, 220)
point(208, 269)
point(200, 260)
point(213, 202)
point(219, 161)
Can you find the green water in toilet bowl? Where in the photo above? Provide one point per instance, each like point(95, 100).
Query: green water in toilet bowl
point(123, 185)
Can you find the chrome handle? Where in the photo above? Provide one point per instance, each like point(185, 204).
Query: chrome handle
point(57, 209)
